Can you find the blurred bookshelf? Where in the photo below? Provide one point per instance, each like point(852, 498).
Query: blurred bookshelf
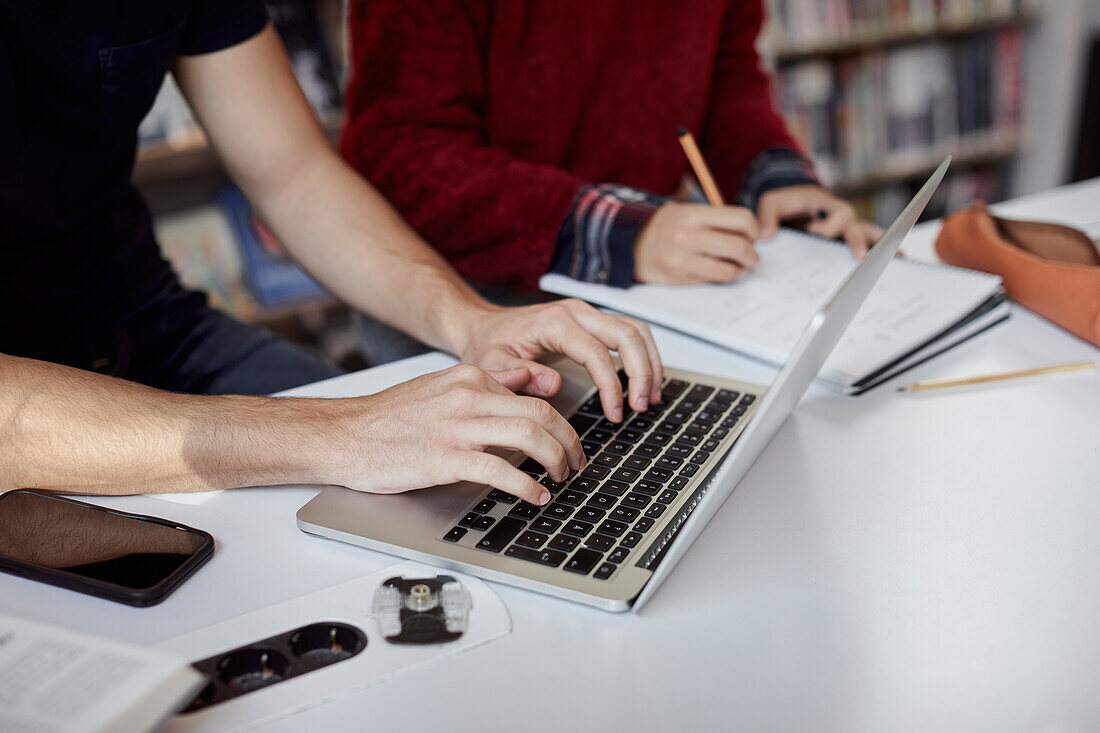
point(879, 91)
point(205, 226)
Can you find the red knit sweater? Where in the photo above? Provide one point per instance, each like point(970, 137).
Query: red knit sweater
point(481, 119)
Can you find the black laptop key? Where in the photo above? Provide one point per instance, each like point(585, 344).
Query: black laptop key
point(532, 466)
point(637, 462)
point(571, 497)
point(590, 449)
point(563, 542)
point(603, 572)
point(729, 422)
point(655, 411)
point(706, 416)
point(605, 426)
point(630, 436)
point(608, 459)
point(699, 458)
point(648, 488)
point(599, 436)
point(700, 392)
point(658, 438)
point(667, 497)
point(634, 500)
point(455, 534)
point(626, 474)
point(484, 506)
point(600, 542)
point(709, 445)
point(659, 475)
point(643, 525)
point(613, 487)
point(640, 423)
point(700, 428)
point(553, 558)
point(678, 483)
point(631, 540)
point(646, 450)
point(718, 406)
point(483, 523)
point(679, 450)
point(584, 485)
point(678, 416)
point(655, 511)
point(618, 447)
point(690, 439)
point(739, 410)
point(618, 555)
point(557, 510)
point(719, 433)
point(542, 524)
point(589, 514)
point(532, 539)
point(582, 423)
point(577, 529)
point(728, 395)
point(611, 527)
point(689, 406)
point(524, 510)
point(594, 471)
point(669, 462)
point(551, 484)
point(748, 399)
point(592, 406)
point(689, 470)
point(502, 496)
point(469, 519)
point(669, 427)
point(602, 501)
point(673, 389)
point(499, 536)
point(624, 514)
point(583, 561)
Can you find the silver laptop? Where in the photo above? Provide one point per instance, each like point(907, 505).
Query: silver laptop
point(612, 532)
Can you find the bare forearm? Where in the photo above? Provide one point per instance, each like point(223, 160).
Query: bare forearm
point(353, 241)
point(69, 430)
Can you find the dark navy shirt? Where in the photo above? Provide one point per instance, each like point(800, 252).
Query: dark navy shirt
point(77, 252)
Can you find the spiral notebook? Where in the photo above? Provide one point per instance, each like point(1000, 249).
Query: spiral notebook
point(916, 311)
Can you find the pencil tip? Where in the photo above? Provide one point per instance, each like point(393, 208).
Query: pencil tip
point(681, 131)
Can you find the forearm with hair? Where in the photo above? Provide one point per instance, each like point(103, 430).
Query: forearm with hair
point(68, 430)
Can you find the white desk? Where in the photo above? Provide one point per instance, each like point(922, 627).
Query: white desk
point(889, 563)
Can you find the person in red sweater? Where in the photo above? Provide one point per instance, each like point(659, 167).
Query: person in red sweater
point(519, 137)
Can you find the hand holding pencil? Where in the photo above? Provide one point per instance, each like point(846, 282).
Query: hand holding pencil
point(687, 244)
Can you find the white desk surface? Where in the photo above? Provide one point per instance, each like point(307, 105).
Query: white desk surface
point(890, 563)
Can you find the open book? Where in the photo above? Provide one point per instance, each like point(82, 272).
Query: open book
point(915, 312)
point(54, 679)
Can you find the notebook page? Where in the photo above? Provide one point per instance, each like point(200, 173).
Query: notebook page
point(764, 312)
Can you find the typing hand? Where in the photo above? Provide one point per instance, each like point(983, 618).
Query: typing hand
point(830, 216)
point(508, 340)
point(688, 244)
point(435, 430)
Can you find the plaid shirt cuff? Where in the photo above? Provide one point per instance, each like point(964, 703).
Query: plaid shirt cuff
point(596, 240)
point(775, 168)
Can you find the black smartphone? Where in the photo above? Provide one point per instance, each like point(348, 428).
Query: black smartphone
point(129, 558)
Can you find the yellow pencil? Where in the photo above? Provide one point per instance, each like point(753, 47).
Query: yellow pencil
point(702, 170)
point(944, 383)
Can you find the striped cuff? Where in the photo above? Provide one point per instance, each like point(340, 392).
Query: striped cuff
point(775, 168)
point(596, 240)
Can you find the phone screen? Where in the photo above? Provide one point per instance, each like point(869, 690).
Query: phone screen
point(96, 544)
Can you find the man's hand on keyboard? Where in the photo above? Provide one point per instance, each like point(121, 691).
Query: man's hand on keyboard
point(508, 340)
point(435, 430)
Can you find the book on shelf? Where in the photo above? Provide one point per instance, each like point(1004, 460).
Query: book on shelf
point(56, 679)
point(915, 312)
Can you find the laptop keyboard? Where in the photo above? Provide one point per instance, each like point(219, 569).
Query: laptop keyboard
point(635, 470)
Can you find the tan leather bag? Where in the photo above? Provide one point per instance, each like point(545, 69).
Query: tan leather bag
point(1051, 269)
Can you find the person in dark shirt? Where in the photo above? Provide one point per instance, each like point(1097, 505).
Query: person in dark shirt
point(100, 342)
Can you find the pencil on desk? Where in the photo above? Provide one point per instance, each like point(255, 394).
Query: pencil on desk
point(702, 170)
point(944, 383)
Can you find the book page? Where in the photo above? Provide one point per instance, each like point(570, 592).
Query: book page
point(52, 679)
point(763, 313)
